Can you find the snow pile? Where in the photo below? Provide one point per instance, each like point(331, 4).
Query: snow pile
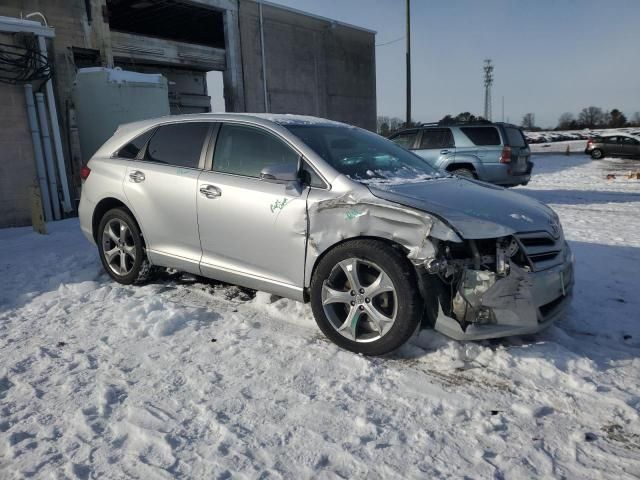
point(194, 379)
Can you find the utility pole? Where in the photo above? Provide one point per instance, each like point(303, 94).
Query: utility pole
point(408, 62)
point(488, 80)
point(503, 108)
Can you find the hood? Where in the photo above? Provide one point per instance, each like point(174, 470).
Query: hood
point(475, 209)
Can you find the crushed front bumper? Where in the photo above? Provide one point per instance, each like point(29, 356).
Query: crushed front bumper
point(534, 304)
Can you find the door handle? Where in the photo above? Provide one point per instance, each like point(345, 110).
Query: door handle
point(444, 152)
point(210, 191)
point(137, 176)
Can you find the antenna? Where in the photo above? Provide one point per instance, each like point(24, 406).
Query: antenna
point(488, 81)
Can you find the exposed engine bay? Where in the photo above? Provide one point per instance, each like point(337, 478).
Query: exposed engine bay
point(481, 277)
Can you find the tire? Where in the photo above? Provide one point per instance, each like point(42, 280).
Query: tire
point(127, 243)
point(464, 172)
point(364, 321)
point(597, 154)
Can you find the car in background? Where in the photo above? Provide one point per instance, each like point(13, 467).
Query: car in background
point(619, 145)
point(493, 152)
point(375, 238)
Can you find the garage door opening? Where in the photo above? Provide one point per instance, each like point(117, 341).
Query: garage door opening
point(168, 19)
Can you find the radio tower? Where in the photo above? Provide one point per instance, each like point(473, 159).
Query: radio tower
point(488, 80)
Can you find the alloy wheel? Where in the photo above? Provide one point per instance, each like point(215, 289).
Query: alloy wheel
point(118, 247)
point(360, 300)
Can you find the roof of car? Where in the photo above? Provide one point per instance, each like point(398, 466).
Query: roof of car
point(616, 134)
point(279, 118)
point(482, 123)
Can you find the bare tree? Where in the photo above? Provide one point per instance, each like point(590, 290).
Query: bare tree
point(387, 125)
point(382, 125)
point(617, 119)
point(566, 121)
point(529, 121)
point(635, 119)
point(462, 117)
point(591, 117)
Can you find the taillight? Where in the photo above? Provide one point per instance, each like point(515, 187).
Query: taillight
point(84, 173)
point(589, 142)
point(505, 157)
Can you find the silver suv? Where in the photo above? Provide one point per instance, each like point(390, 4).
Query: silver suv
point(374, 237)
point(493, 152)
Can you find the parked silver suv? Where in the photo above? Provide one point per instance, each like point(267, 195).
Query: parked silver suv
point(373, 236)
point(493, 152)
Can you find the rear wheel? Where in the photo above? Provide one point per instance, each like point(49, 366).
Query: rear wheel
point(597, 154)
point(365, 298)
point(464, 172)
point(121, 248)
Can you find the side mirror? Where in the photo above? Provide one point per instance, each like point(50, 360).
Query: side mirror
point(280, 173)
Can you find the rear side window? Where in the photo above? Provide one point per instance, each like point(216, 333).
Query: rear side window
point(610, 139)
point(246, 151)
point(131, 149)
point(482, 136)
point(405, 139)
point(177, 144)
point(515, 137)
point(436, 138)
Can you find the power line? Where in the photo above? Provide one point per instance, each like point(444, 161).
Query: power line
point(390, 41)
point(20, 64)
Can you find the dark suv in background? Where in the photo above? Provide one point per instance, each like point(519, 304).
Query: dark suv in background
point(492, 152)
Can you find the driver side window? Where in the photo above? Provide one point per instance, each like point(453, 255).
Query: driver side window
point(242, 150)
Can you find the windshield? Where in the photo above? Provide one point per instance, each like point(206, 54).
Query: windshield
point(363, 156)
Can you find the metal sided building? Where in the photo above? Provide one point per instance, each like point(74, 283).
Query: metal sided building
point(272, 59)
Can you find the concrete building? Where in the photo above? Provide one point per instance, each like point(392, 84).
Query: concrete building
point(272, 59)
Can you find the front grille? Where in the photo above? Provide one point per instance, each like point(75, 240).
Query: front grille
point(541, 249)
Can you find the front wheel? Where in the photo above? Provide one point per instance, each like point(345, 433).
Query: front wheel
point(597, 154)
point(365, 297)
point(464, 172)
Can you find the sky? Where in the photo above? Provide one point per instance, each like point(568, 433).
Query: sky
point(549, 56)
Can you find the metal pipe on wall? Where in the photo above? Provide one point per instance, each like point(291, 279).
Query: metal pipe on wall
point(55, 129)
point(37, 151)
point(48, 154)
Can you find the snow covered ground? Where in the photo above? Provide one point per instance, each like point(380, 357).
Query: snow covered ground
point(187, 379)
point(575, 146)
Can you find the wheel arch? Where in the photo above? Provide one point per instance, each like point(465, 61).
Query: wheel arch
point(464, 164)
point(316, 262)
point(103, 206)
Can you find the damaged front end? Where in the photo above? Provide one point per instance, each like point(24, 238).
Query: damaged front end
point(485, 287)
point(495, 287)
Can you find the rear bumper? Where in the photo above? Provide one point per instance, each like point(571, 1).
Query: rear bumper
point(85, 215)
point(501, 174)
point(537, 305)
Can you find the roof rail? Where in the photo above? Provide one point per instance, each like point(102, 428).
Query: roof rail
point(479, 121)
